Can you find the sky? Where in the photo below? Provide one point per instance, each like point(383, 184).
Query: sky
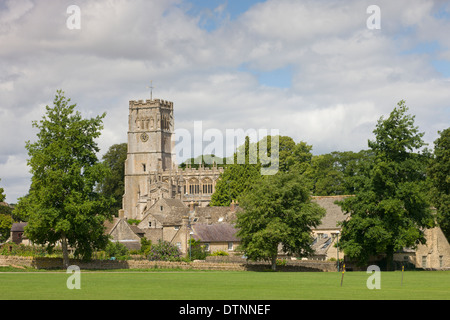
point(320, 71)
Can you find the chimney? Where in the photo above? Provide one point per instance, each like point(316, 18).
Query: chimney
point(191, 206)
point(233, 206)
point(208, 219)
point(185, 221)
point(121, 214)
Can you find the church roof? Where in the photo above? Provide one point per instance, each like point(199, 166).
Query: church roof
point(177, 203)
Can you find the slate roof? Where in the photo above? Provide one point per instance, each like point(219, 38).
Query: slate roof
point(217, 214)
point(109, 225)
point(334, 214)
point(177, 210)
point(18, 226)
point(221, 232)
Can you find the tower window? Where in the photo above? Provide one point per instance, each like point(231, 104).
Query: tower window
point(144, 167)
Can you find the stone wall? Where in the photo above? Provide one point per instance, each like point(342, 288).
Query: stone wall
point(56, 263)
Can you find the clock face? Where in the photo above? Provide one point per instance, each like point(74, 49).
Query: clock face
point(144, 137)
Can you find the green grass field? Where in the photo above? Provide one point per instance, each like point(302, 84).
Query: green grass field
point(196, 285)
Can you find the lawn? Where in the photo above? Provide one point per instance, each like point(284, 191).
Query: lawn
point(197, 285)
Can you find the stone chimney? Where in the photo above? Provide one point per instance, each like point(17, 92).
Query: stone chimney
point(185, 221)
point(191, 206)
point(208, 219)
point(121, 214)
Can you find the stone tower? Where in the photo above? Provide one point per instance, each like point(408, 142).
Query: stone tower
point(150, 130)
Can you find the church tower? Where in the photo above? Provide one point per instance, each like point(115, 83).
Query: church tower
point(150, 130)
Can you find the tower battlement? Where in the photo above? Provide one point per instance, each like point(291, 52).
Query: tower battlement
point(151, 103)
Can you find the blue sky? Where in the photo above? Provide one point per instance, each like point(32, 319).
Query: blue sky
point(310, 69)
point(212, 12)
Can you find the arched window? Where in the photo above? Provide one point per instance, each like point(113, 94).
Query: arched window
point(207, 186)
point(194, 187)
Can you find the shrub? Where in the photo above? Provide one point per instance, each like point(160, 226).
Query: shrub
point(12, 249)
point(163, 251)
point(219, 253)
point(198, 252)
point(116, 249)
point(146, 246)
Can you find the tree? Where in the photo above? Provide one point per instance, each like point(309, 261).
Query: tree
point(236, 178)
point(207, 161)
point(2, 196)
point(5, 227)
point(113, 184)
point(439, 173)
point(277, 212)
point(390, 209)
point(62, 205)
point(336, 173)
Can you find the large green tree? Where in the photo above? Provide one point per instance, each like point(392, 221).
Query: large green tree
point(238, 177)
point(277, 212)
point(336, 173)
point(62, 205)
point(439, 173)
point(113, 185)
point(390, 209)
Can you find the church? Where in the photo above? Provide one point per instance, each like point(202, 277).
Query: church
point(151, 173)
point(172, 204)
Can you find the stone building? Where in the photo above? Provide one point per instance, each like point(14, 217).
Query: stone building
point(151, 172)
point(173, 221)
point(326, 234)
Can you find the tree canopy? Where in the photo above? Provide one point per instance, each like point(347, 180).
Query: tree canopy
point(113, 185)
point(62, 205)
point(439, 173)
point(390, 208)
point(278, 212)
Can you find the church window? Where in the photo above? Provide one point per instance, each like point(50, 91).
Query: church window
point(194, 187)
point(149, 224)
point(207, 186)
point(144, 167)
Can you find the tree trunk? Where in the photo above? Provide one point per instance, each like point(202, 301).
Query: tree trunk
point(390, 258)
point(65, 251)
point(274, 262)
